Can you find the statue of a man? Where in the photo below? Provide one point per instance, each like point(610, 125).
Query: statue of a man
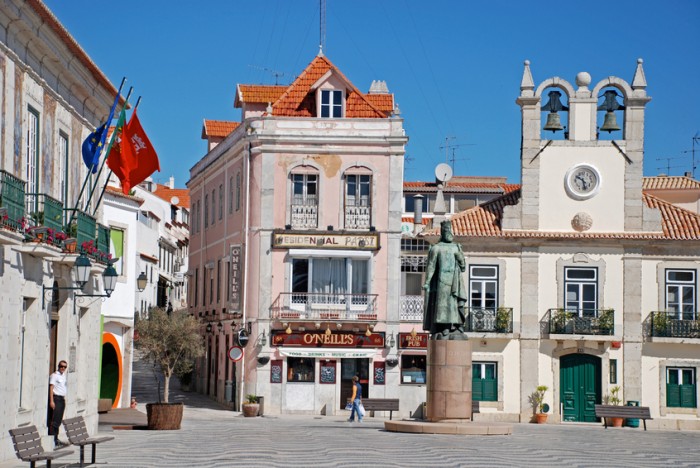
point(445, 296)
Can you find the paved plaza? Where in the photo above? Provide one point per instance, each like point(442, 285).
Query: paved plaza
point(215, 437)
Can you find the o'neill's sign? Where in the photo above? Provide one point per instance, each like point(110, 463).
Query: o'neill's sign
point(327, 240)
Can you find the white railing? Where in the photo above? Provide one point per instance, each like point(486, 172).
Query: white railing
point(315, 307)
point(305, 213)
point(411, 308)
point(357, 217)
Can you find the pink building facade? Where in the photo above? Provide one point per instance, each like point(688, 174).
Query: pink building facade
point(295, 244)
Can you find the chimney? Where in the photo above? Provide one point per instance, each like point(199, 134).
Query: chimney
point(171, 184)
point(417, 214)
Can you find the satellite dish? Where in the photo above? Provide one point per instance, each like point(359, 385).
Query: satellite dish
point(443, 172)
point(174, 200)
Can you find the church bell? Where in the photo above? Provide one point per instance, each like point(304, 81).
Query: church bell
point(610, 123)
point(554, 123)
point(553, 106)
point(610, 105)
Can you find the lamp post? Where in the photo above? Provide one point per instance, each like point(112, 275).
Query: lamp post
point(141, 281)
point(81, 270)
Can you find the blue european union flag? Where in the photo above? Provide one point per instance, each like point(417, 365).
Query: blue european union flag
point(93, 144)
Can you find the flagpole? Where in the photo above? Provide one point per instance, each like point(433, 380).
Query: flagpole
point(104, 188)
point(87, 177)
point(104, 160)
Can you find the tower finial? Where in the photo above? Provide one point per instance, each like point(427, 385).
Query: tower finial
point(639, 81)
point(527, 84)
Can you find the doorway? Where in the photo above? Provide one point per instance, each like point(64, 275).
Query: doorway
point(580, 384)
point(348, 369)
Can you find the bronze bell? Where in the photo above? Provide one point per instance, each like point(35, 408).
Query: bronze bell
point(553, 123)
point(610, 123)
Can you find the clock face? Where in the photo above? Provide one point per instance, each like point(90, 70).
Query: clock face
point(582, 181)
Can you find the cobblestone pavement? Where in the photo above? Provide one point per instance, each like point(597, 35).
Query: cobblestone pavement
point(216, 437)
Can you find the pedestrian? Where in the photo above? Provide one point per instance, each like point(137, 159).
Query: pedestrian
point(133, 403)
point(356, 400)
point(57, 401)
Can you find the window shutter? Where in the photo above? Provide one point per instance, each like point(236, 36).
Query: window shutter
point(490, 391)
point(477, 390)
point(673, 395)
point(687, 396)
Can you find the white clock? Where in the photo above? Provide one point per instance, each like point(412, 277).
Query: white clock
point(582, 181)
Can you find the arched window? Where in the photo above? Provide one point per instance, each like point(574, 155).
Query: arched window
point(358, 198)
point(304, 206)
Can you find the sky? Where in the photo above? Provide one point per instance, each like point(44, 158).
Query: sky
point(454, 66)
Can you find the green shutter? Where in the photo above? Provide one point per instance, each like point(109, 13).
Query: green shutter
point(687, 396)
point(477, 390)
point(490, 390)
point(673, 395)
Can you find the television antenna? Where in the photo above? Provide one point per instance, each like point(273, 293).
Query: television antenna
point(668, 165)
point(696, 139)
point(322, 25)
point(277, 74)
point(452, 148)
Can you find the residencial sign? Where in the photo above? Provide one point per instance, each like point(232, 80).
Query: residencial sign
point(334, 340)
point(413, 341)
point(286, 240)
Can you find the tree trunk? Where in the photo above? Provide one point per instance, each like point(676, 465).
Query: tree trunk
point(166, 387)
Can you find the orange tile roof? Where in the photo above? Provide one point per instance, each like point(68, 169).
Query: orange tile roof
point(409, 219)
point(461, 187)
point(383, 102)
point(117, 192)
point(485, 221)
point(166, 193)
point(259, 94)
point(670, 183)
point(218, 128)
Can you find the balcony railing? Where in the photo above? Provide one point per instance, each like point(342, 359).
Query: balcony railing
point(675, 324)
point(44, 211)
point(323, 307)
point(357, 217)
point(411, 308)
point(589, 322)
point(305, 213)
point(494, 320)
point(103, 235)
point(12, 199)
point(87, 228)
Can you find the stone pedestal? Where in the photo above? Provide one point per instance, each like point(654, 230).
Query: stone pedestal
point(449, 380)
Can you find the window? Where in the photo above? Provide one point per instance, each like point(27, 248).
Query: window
point(211, 286)
point(327, 278)
point(238, 191)
point(116, 248)
point(331, 103)
point(581, 291)
point(680, 294)
point(213, 206)
point(357, 201)
point(32, 163)
point(230, 195)
point(300, 370)
point(196, 286)
point(304, 200)
point(413, 369)
point(218, 281)
point(681, 387)
point(484, 381)
point(613, 371)
point(205, 274)
point(221, 201)
point(483, 287)
point(199, 215)
point(63, 168)
point(206, 210)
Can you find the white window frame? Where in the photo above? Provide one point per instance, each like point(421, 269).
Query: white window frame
point(327, 104)
point(63, 168)
point(678, 311)
point(483, 281)
point(32, 162)
point(580, 309)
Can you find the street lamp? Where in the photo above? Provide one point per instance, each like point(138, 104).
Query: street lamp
point(81, 270)
point(219, 326)
point(141, 281)
point(209, 327)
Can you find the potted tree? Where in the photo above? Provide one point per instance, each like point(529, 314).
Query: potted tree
point(613, 398)
point(251, 407)
point(171, 342)
point(539, 407)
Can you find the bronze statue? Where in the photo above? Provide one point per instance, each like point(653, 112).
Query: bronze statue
point(445, 296)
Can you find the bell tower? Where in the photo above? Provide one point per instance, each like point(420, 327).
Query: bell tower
point(582, 171)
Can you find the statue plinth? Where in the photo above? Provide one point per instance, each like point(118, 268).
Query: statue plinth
point(449, 380)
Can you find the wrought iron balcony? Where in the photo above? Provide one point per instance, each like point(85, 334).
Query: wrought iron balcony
point(305, 213)
point(87, 228)
point(103, 235)
point(493, 320)
point(585, 322)
point(675, 324)
point(411, 308)
point(12, 191)
point(44, 211)
point(358, 217)
point(324, 307)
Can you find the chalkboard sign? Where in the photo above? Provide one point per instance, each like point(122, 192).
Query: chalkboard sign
point(379, 373)
point(276, 371)
point(327, 372)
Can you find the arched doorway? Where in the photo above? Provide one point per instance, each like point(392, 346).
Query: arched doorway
point(111, 376)
point(580, 386)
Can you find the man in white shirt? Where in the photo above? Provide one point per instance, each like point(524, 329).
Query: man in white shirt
point(57, 401)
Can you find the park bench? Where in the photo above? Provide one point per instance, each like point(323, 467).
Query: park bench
point(28, 448)
point(78, 435)
point(381, 404)
point(627, 412)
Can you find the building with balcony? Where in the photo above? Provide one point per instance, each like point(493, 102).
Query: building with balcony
point(296, 229)
point(584, 278)
point(53, 96)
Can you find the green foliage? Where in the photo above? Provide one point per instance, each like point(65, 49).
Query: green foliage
point(170, 342)
point(251, 398)
point(71, 230)
point(614, 397)
point(559, 319)
point(660, 323)
point(536, 398)
point(606, 320)
point(503, 319)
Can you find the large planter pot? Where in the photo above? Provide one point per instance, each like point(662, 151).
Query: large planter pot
point(250, 410)
point(164, 416)
point(615, 422)
point(541, 418)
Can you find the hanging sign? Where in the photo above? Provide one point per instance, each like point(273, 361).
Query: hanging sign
point(235, 284)
point(413, 341)
point(333, 340)
point(235, 353)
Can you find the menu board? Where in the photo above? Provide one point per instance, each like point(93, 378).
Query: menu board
point(379, 373)
point(327, 372)
point(276, 371)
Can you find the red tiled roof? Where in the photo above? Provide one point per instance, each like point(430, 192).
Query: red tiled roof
point(383, 102)
point(461, 187)
point(166, 193)
point(259, 94)
point(485, 221)
point(669, 183)
point(117, 192)
point(409, 219)
point(218, 128)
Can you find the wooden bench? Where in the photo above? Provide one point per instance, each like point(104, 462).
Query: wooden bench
point(78, 435)
point(28, 448)
point(381, 404)
point(627, 412)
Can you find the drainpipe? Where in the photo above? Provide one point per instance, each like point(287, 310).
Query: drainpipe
point(246, 170)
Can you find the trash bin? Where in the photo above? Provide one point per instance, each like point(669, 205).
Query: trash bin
point(261, 411)
point(631, 422)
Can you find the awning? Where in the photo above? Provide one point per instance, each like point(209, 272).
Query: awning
point(328, 353)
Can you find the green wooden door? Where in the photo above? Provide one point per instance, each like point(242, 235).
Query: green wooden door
point(580, 384)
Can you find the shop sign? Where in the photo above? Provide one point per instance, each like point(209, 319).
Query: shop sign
point(286, 240)
point(413, 341)
point(327, 353)
point(235, 286)
point(334, 340)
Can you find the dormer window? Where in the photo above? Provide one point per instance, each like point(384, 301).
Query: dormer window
point(331, 103)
